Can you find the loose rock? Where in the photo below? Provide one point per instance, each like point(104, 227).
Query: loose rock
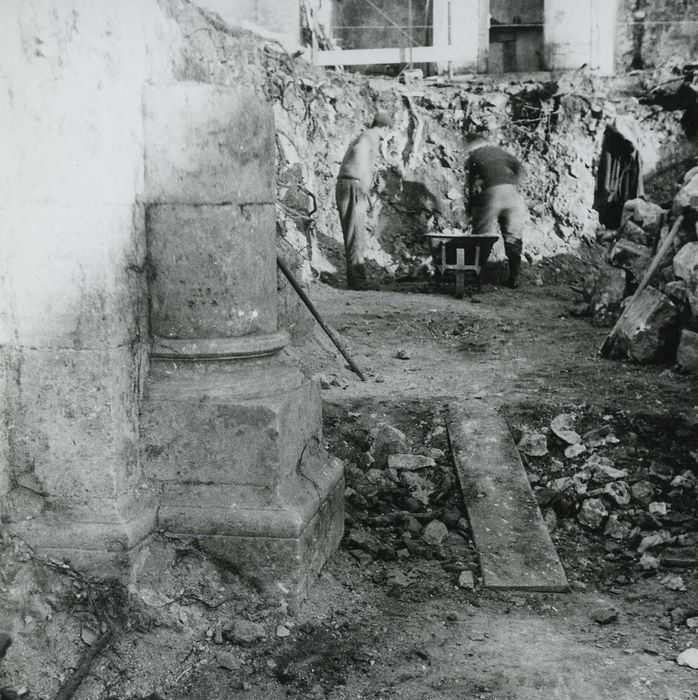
point(466, 580)
point(685, 480)
point(688, 658)
point(409, 462)
point(600, 437)
point(658, 508)
point(649, 563)
point(592, 513)
point(673, 583)
point(573, 451)
point(617, 529)
point(687, 353)
point(642, 491)
point(562, 426)
point(660, 471)
point(604, 616)
point(618, 491)
point(243, 632)
point(602, 469)
point(228, 661)
point(533, 444)
point(435, 532)
point(387, 440)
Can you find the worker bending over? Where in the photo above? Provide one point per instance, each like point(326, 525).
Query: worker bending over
point(492, 177)
point(352, 192)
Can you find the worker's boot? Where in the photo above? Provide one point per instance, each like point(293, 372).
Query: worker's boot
point(513, 252)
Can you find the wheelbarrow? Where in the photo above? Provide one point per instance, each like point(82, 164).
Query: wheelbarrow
point(463, 254)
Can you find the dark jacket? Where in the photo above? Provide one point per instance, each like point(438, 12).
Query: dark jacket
point(493, 166)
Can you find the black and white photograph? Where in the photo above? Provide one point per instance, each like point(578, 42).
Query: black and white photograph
point(349, 349)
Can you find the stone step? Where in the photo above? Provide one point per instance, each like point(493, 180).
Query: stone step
point(511, 538)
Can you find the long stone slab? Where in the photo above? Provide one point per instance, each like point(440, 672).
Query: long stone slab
point(511, 538)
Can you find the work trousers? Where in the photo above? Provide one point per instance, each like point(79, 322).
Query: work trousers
point(503, 205)
point(352, 204)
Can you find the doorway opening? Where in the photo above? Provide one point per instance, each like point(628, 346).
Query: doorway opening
point(516, 36)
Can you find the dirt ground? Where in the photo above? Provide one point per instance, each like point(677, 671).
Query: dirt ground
point(387, 617)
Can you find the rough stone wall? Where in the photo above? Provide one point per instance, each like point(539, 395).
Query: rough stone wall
point(279, 19)
point(555, 127)
point(651, 33)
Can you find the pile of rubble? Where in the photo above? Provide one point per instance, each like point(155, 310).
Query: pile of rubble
point(643, 508)
point(662, 325)
point(403, 508)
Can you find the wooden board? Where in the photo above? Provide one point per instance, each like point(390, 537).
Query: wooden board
point(511, 538)
point(417, 54)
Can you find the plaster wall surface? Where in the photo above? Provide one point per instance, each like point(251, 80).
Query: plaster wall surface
point(74, 313)
point(578, 34)
point(469, 21)
point(527, 11)
point(274, 18)
point(72, 318)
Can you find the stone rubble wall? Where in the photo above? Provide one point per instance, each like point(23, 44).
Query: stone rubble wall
point(555, 126)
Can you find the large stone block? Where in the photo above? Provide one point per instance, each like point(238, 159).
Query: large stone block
point(648, 330)
point(647, 215)
point(630, 231)
point(73, 276)
point(212, 269)
point(66, 531)
point(75, 423)
point(235, 449)
point(605, 292)
point(244, 423)
point(687, 196)
point(632, 257)
point(208, 144)
point(687, 353)
point(686, 263)
point(284, 562)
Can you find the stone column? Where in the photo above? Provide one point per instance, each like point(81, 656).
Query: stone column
point(230, 433)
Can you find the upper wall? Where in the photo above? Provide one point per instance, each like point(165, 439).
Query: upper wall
point(650, 33)
point(274, 18)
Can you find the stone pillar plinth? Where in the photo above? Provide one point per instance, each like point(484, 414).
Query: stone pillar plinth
point(229, 433)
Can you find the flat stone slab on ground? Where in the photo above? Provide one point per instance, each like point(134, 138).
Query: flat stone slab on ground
point(511, 538)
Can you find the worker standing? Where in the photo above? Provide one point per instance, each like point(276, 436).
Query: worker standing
point(493, 176)
point(352, 193)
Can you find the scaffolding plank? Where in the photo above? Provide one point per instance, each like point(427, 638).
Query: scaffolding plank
point(357, 57)
point(511, 538)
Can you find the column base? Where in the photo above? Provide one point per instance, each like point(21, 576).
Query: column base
point(235, 449)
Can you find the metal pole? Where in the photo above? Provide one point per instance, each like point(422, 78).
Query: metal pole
point(311, 307)
point(409, 22)
point(450, 63)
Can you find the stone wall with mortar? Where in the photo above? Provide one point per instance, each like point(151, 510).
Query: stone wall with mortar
point(651, 33)
point(554, 125)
